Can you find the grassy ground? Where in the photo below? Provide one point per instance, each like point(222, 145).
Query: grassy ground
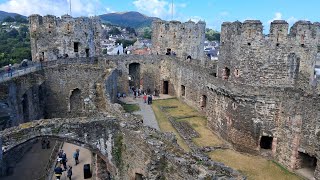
point(207, 138)
point(130, 107)
point(164, 123)
point(255, 167)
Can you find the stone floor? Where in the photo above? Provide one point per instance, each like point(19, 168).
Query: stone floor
point(146, 111)
point(32, 164)
point(84, 158)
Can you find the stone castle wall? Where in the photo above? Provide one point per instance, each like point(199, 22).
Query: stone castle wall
point(242, 114)
point(22, 100)
point(277, 60)
point(53, 38)
point(184, 39)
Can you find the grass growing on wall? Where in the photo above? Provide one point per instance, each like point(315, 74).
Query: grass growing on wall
point(129, 108)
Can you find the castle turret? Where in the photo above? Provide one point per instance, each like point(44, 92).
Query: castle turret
point(53, 38)
point(180, 39)
point(279, 32)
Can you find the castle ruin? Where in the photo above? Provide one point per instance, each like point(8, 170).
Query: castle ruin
point(261, 96)
point(182, 39)
point(66, 37)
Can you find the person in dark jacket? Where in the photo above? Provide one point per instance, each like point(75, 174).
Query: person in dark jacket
point(58, 172)
point(69, 173)
point(64, 161)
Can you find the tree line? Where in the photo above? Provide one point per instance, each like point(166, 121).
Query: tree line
point(14, 44)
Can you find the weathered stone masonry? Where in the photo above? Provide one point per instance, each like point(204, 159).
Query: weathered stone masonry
point(53, 38)
point(263, 95)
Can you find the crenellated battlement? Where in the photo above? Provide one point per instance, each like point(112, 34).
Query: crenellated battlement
point(247, 56)
point(301, 31)
point(182, 39)
point(53, 37)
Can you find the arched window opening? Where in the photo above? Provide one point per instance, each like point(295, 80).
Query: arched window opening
point(76, 101)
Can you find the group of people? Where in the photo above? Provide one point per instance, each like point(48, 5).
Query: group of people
point(62, 161)
point(147, 99)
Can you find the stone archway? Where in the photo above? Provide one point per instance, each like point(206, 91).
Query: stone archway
point(134, 73)
point(76, 102)
point(97, 135)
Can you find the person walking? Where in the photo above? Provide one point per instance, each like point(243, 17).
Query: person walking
point(64, 161)
point(69, 173)
point(58, 172)
point(145, 98)
point(76, 156)
point(10, 69)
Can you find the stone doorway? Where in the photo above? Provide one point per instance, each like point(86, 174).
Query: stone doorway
point(76, 101)
point(87, 53)
point(25, 108)
point(266, 142)
point(183, 90)
point(134, 74)
point(138, 176)
point(165, 87)
point(306, 165)
point(203, 102)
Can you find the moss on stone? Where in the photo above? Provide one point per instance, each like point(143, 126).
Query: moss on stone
point(117, 150)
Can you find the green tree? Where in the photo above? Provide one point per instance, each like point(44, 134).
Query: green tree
point(125, 42)
point(20, 19)
point(212, 35)
point(114, 31)
point(147, 33)
point(8, 19)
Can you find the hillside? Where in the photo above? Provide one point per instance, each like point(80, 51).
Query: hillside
point(4, 14)
point(128, 19)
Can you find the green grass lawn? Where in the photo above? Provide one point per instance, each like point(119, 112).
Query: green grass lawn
point(129, 108)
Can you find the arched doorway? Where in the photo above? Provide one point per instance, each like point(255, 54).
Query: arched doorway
point(76, 101)
point(203, 102)
point(134, 74)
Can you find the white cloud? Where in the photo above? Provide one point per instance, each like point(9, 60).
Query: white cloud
point(277, 16)
point(196, 18)
point(158, 8)
point(292, 20)
point(54, 7)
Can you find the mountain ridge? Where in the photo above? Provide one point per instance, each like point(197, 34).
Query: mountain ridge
point(4, 14)
point(128, 19)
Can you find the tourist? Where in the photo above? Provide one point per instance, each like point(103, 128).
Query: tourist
point(118, 95)
point(58, 172)
point(69, 173)
point(149, 99)
point(124, 95)
point(64, 161)
point(76, 156)
point(10, 69)
point(48, 144)
point(60, 153)
point(145, 98)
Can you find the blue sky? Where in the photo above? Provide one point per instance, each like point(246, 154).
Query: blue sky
point(214, 12)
